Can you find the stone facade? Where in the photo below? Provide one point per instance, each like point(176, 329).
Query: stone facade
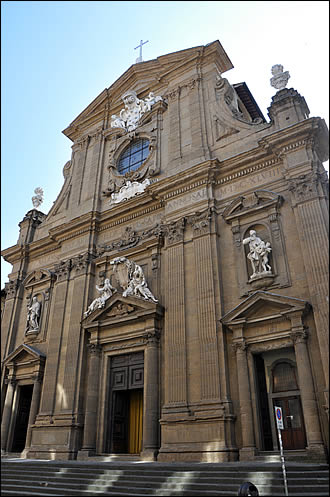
point(191, 370)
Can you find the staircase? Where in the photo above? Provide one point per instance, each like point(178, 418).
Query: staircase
point(134, 478)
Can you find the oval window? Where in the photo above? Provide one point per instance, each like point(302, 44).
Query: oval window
point(133, 156)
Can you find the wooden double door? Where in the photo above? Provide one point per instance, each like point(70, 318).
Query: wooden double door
point(126, 404)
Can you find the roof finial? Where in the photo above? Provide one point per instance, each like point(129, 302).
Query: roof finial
point(139, 59)
point(38, 198)
point(280, 79)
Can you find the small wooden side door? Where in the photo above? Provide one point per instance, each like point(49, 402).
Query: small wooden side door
point(293, 435)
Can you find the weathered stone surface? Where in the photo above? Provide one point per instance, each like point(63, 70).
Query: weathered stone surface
point(182, 367)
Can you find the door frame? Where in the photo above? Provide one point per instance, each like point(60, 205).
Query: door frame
point(282, 395)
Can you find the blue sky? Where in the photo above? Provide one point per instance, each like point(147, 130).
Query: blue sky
point(56, 57)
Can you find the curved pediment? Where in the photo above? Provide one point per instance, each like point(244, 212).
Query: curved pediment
point(261, 306)
point(248, 203)
point(122, 309)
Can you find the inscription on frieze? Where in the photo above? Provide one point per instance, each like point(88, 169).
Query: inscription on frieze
point(184, 200)
point(247, 182)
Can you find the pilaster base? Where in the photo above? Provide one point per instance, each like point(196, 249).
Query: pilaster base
point(84, 454)
point(316, 453)
point(247, 454)
point(149, 455)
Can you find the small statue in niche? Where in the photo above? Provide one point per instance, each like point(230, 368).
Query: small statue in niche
point(258, 255)
point(33, 317)
point(106, 292)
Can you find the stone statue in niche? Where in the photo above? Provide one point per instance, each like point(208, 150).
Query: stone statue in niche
point(33, 317)
point(258, 255)
point(134, 109)
point(280, 79)
point(132, 280)
point(130, 189)
point(106, 291)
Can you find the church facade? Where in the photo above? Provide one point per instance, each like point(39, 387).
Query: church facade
point(176, 292)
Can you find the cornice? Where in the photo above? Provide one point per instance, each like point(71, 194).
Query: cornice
point(298, 135)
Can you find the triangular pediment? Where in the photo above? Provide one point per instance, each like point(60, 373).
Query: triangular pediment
point(152, 75)
point(25, 353)
point(121, 308)
point(263, 305)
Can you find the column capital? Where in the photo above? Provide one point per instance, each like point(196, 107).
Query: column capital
point(240, 346)
point(152, 337)
point(94, 349)
point(175, 231)
point(62, 270)
point(37, 378)
point(81, 262)
point(200, 222)
point(11, 287)
point(299, 335)
point(11, 381)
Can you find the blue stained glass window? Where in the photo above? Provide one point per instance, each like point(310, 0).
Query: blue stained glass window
point(133, 156)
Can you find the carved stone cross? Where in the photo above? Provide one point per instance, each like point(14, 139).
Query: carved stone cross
point(139, 59)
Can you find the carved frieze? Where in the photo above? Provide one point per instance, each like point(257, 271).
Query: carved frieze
point(131, 238)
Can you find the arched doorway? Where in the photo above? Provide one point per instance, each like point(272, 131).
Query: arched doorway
point(285, 394)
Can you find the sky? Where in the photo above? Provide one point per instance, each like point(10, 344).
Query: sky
point(57, 56)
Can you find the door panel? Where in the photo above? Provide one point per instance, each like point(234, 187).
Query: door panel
point(135, 421)
point(120, 422)
point(293, 435)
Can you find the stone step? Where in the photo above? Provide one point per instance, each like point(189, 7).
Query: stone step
point(70, 478)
